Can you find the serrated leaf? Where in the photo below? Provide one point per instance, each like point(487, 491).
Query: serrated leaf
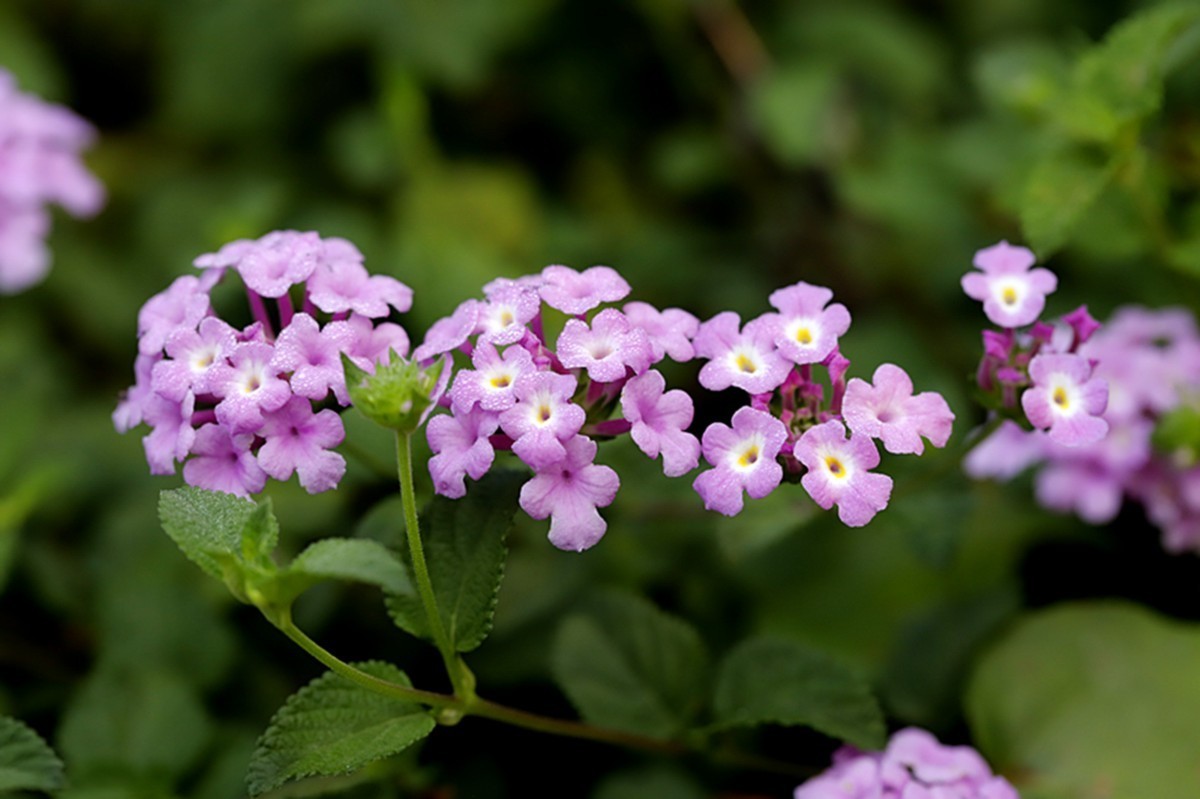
point(627, 665)
point(778, 681)
point(1061, 188)
point(206, 525)
point(354, 559)
point(332, 727)
point(1092, 699)
point(27, 763)
point(464, 548)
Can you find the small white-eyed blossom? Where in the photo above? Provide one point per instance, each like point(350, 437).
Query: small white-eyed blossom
point(839, 472)
point(298, 440)
point(277, 261)
point(461, 448)
point(194, 356)
point(1065, 399)
point(606, 348)
point(888, 410)
point(492, 382)
point(1012, 294)
point(576, 293)
point(744, 459)
point(369, 342)
point(345, 285)
point(744, 357)
point(569, 493)
point(503, 318)
point(248, 387)
point(670, 331)
point(543, 418)
point(660, 421)
point(181, 305)
point(805, 330)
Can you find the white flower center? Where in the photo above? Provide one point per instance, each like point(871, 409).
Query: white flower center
point(1009, 291)
point(746, 456)
point(803, 331)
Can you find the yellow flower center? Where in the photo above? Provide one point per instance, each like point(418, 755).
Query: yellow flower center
point(501, 381)
point(804, 335)
point(543, 413)
point(745, 364)
point(835, 466)
point(1060, 398)
point(1009, 295)
point(749, 457)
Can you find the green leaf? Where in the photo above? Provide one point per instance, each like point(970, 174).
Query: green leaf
point(1061, 188)
point(1092, 699)
point(464, 549)
point(776, 680)
point(354, 559)
point(208, 525)
point(1120, 81)
point(792, 108)
point(627, 665)
point(27, 763)
point(332, 727)
point(137, 720)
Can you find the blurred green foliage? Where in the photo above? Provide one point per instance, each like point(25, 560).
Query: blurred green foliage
point(711, 151)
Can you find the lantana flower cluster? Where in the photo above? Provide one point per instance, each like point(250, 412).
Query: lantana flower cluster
point(1151, 362)
point(1031, 362)
point(913, 766)
point(792, 425)
point(40, 145)
point(238, 405)
point(549, 401)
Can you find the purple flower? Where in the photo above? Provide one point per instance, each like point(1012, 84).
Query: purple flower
point(172, 433)
point(913, 766)
point(577, 293)
point(313, 356)
point(888, 411)
point(746, 359)
point(744, 457)
point(839, 472)
point(503, 319)
point(40, 163)
point(660, 422)
point(450, 332)
point(543, 418)
point(368, 342)
point(1066, 399)
point(1006, 453)
point(461, 449)
point(344, 285)
point(1012, 294)
point(249, 386)
point(194, 358)
point(569, 492)
point(221, 462)
point(298, 440)
point(181, 306)
point(605, 349)
point(805, 330)
point(131, 408)
point(278, 261)
point(670, 331)
point(491, 384)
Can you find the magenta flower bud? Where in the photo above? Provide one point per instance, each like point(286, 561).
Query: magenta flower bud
point(1083, 325)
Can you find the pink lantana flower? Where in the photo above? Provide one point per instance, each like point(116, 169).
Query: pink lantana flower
point(450, 332)
point(314, 357)
point(839, 472)
point(221, 462)
point(345, 285)
point(744, 459)
point(298, 440)
point(194, 356)
point(670, 331)
point(1012, 294)
point(576, 293)
point(660, 422)
point(503, 319)
point(172, 434)
point(744, 358)
point(461, 449)
point(1066, 400)
point(248, 387)
point(805, 330)
point(889, 411)
point(569, 493)
point(277, 261)
point(181, 305)
point(543, 418)
point(491, 384)
point(607, 348)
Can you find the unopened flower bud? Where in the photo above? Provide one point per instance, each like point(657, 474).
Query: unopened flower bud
point(399, 395)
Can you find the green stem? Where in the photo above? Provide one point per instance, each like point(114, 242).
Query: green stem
point(408, 498)
point(387, 688)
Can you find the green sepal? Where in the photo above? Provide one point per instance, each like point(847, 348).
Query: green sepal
point(397, 395)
